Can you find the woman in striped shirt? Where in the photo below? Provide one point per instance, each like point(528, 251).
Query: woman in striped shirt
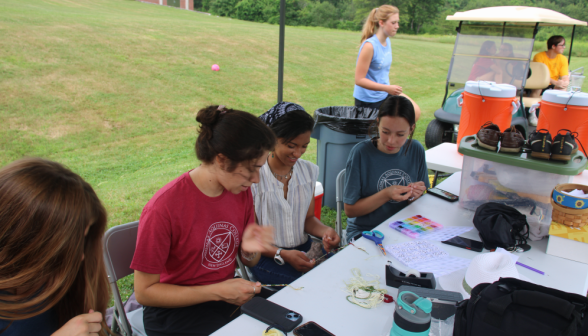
point(284, 198)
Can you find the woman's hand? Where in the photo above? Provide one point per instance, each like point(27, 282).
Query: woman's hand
point(82, 325)
point(298, 260)
point(258, 238)
point(238, 291)
point(418, 188)
point(330, 239)
point(399, 193)
point(394, 90)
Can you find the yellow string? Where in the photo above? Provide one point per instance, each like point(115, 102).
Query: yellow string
point(272, 332)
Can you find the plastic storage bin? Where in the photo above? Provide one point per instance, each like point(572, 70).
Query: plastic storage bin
point(514, 179)
point(337, 129)
point(486, 101)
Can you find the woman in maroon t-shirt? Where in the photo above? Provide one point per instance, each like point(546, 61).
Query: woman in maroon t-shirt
point(484, 68)
point(193, 228)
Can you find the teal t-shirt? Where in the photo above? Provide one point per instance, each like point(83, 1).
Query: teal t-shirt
point(369, 170)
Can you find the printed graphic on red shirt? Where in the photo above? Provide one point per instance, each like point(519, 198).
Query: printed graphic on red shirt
point(220, 245)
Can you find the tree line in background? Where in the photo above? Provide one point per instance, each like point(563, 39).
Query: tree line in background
point(416, 16)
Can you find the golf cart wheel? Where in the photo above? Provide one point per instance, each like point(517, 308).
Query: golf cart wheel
point(437, 133)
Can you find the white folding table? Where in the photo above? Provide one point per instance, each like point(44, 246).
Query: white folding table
point(323, 299)
point(443, 158)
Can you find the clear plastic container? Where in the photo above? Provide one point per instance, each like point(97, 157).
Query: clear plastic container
point(514, 179)
point(525, 189)
point(576, 82)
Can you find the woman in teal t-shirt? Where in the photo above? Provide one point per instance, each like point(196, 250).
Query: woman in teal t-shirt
point(387, 172)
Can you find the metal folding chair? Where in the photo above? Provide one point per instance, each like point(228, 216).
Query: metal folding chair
point(119, 248)
point(339, 188)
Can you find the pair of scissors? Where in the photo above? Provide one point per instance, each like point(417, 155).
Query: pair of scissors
point(377, 237)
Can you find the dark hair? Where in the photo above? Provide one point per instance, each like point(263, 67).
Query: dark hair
point(239, 136)
point(485, 48)
point(46, 262)
point(292, 124)
point(554, 40)
point(510, 50)
point(396, 106)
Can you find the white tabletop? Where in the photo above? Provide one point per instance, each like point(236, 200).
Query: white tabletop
point(444, 157)
point(323, 299)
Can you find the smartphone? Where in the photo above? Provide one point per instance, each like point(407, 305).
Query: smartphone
point(446, 195)
point(272, 314)
point(468, 244)
point(311, 329)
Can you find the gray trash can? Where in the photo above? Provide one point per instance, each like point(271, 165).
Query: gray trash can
point(337, 129)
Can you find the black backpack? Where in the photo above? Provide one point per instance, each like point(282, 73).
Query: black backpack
point(512, 307)
point(501, 226)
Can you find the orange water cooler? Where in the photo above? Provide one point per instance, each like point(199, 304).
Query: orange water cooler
point(486, 101)
point(564, 110)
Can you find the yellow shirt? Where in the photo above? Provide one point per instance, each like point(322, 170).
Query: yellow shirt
point(558, 66)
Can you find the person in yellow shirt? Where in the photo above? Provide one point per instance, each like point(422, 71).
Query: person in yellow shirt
point(557, 64)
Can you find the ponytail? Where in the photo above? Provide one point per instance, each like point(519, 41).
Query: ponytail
point(376, 15)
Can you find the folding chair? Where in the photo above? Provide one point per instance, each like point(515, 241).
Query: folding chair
point(339, 188)
point(244, 271)
point(119, 248)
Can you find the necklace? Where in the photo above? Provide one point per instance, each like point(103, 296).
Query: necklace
point(278, 176)
point(285, 177)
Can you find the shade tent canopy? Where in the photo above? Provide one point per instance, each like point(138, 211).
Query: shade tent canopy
point(519, 14)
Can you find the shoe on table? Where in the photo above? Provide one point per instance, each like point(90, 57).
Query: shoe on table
point(488, 136)
point(540, 143)
point(564, 145)
point(512, 140)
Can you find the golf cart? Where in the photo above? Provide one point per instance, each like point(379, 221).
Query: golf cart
point(509, 33)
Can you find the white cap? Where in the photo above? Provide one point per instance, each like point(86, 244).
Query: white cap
point(490, 89)
point(488, 268)
point(484, 268)
point(566, 98)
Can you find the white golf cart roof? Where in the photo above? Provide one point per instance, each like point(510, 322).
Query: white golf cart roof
point(519, 14)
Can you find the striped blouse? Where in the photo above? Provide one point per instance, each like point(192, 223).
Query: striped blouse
point(286, 216)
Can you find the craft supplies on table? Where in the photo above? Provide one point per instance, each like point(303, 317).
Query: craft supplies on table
point(447, 233)
point(426, 257)
point(377, 237)
point(415, 226)
point(416, 251)
point(365, 293)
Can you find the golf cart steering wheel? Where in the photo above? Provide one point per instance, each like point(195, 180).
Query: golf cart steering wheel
point(514, 70)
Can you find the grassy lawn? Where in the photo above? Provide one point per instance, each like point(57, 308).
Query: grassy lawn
point(111, 87)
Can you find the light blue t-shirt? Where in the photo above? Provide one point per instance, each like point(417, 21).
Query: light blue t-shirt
point(379, 71)
point(369, 170)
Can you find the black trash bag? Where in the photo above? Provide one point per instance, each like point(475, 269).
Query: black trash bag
point(346, 119)
point(501, 226)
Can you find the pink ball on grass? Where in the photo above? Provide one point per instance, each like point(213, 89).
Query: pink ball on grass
point(215, 67)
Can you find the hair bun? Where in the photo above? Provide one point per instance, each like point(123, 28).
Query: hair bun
point(208, 117)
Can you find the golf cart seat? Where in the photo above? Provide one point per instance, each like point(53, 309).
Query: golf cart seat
point(539, 79)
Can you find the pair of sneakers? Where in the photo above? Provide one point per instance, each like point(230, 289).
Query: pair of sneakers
point(489, 135)
point(561, 148)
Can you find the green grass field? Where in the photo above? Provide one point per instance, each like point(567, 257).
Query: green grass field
point(111, 87)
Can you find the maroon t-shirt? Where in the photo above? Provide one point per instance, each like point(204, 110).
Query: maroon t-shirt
point(189, 238)
point(481, 66)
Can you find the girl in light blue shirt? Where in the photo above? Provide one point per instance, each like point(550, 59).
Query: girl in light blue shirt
point(372, 72)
